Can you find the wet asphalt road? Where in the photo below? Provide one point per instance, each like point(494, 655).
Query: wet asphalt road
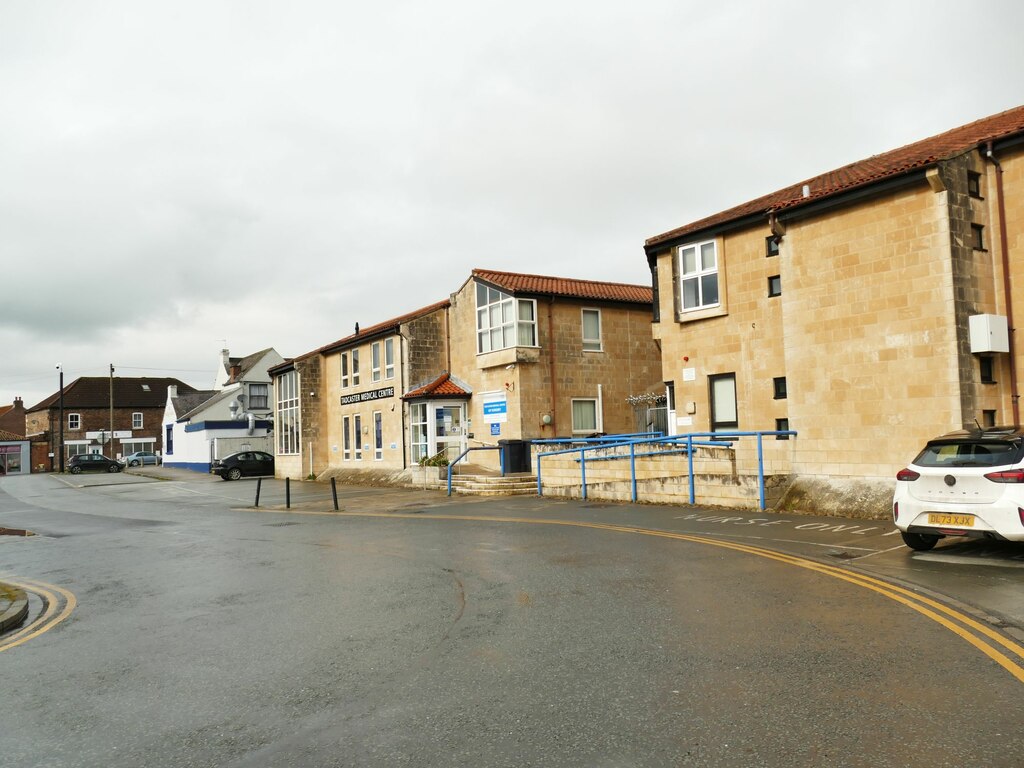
point(208, 634)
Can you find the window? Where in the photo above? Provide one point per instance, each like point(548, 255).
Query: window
point(591, 330)
point(286, 423)
point(988, 418)
point(698, 276)
point(974, 184)
point(378, 436)
point(782, 425)
point(375, 361)
point(977, 237)
point(723, 401)
point(771, 246)
point(670, 395)
point(584, 417)
point(987, 370)
point(779, 384)
point(259, 395)
point(346, 438)
point(136, 421)
point(77, 449)
point(389, 358)
point(358, 455)
point(74, 421)
point(775, 285)
point(418, 431)
point(169, 440)
point(355, 367)
point(503, 321)
point(344, 370)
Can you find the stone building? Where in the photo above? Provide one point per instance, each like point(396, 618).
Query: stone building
point(507, 357)
point(869, 309)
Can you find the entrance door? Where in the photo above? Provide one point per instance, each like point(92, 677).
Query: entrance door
point(450, 429)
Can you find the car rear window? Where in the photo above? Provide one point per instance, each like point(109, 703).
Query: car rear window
point(970, 453)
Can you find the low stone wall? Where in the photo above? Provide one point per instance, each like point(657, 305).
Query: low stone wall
point(725, 477)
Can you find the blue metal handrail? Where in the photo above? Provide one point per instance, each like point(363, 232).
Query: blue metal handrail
point(703, 440)
point(501, 460)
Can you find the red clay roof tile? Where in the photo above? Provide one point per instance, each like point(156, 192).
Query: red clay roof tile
point(562, 286)
point(920, 154)
point(442, 386)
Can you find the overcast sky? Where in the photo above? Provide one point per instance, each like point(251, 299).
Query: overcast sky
point(180, 177)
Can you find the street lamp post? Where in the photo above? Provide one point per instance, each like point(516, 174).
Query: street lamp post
point(61, 446)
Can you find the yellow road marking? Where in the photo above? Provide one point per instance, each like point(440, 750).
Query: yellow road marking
point(923, 605)
point(53, 612)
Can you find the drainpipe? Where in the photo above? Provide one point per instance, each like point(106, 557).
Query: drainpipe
point(551, 355)
point(401, 402)
point(1008, 294)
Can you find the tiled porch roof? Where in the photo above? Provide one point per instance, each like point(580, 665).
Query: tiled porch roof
point(443, 386)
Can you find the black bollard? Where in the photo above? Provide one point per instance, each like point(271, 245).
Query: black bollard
point(259, 484)
point(334, 493)
point(287, 493)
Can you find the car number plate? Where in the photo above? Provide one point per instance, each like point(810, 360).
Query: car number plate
point(957, 521)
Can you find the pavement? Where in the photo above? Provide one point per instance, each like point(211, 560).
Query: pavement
point(13, 607)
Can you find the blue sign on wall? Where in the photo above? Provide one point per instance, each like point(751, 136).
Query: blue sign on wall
point(495, 428)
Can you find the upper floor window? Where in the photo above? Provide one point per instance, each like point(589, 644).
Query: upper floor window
point(389, 358)
point(974, 184)
point(779, 387)
point(355, 367)
point(259, 396)
point(775, 285)
point(136, 420)
point(503, 321)
point(375, 361)
point(74, 421)
point(591, 330)
point(771, 246)
point(698, 276)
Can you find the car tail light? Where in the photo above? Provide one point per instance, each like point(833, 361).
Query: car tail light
point(895, 511)
point(1006, 476)
point(907, 475)
point(1020, 514)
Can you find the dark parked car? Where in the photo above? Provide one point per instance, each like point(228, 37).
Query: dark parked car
point(141, 457)
point(92, 462)
point(243, 464)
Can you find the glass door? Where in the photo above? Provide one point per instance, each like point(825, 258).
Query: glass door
point(450, 429)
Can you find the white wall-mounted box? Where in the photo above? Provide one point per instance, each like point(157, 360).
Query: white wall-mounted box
point(989, 333)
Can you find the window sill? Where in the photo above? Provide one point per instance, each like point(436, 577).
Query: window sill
point(701, 314)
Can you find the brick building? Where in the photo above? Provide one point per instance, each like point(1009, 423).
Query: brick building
point(138, 409)
point(869, 309)
point(507, 356)
point(12, 418)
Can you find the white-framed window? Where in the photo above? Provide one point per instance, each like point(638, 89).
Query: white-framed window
point(389, 358)
point(585, 416)
point(74, 421)
point(503, 321)
point(418, 431)
point(344, 370)
point(375, 361)
point(346, 439)
point(259, 395)
point(357, 420)
point(286, 423)
point(378, 436)
point(591, 330)
point(698, 276)
point(355, 367)
point(137, 420)
point(77, 449)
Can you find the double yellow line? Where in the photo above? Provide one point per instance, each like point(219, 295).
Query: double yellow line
point(58, 604)
point(1002, 650)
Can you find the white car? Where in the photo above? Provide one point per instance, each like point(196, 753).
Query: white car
point(967, 483)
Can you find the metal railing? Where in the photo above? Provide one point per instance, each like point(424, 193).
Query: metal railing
point(676, 444)
point(461, 456)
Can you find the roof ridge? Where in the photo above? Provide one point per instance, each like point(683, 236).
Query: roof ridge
point(556, 277)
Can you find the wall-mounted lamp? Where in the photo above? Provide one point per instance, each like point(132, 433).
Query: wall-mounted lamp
point(545, 419)
point(510, 367)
